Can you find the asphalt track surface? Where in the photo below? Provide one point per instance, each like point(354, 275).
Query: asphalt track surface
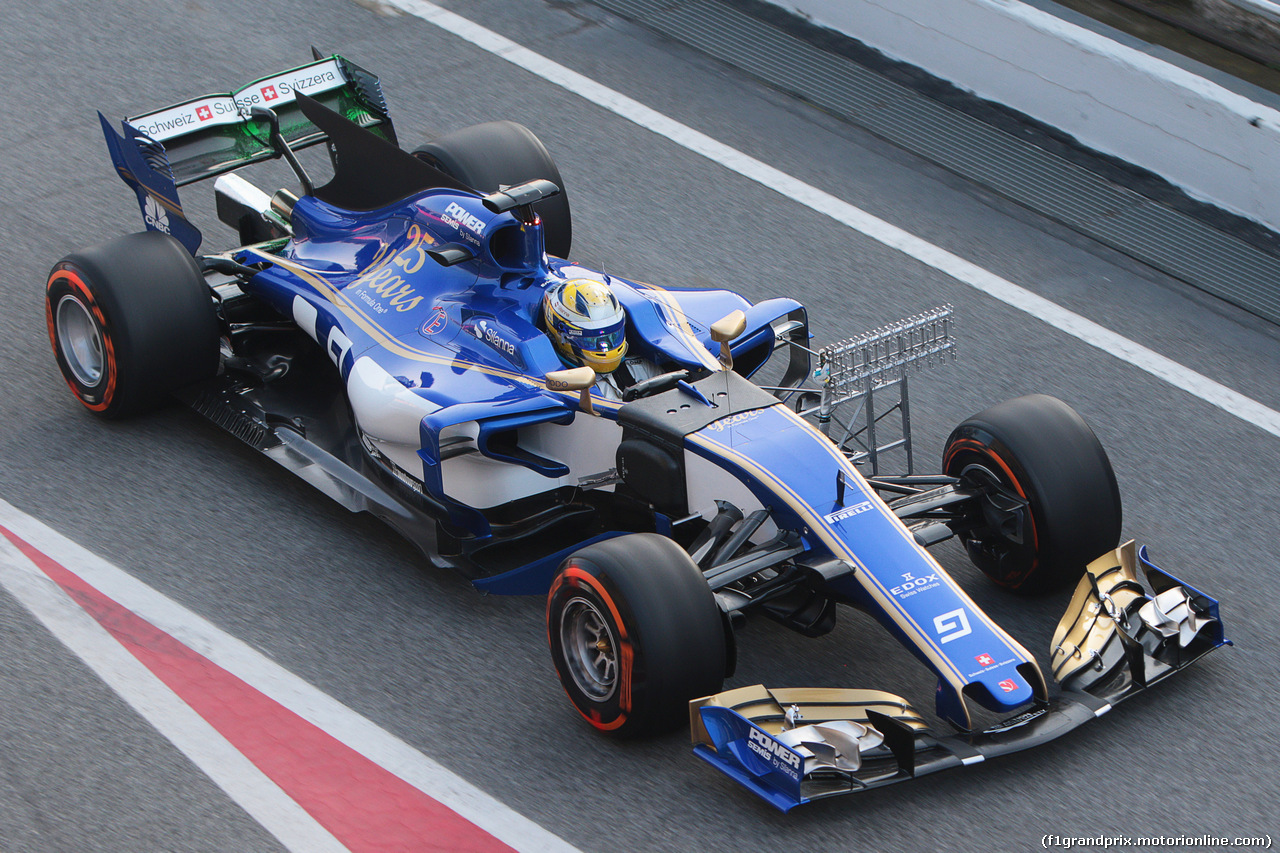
point(344, 605)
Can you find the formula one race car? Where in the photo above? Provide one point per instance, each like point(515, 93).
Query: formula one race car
point(387, 337)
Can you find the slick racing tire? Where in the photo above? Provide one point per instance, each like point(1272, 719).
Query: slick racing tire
point(1052, 502)
point(130, 321)
point(635, 634)
point(503, 153)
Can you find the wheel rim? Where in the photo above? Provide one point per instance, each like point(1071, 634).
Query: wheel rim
point(983, 476)
point(590, 650)
point(81, 341)
point(997, 555)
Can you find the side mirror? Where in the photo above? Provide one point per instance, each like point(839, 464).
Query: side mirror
point(520, 198)
point(726, 329)
point(574, 379)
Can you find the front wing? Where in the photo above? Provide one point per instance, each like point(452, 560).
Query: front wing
point(1118, 637)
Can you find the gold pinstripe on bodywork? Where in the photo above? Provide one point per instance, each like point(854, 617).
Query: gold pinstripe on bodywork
point(167, 203)
point(827, 534)
point(681, 326)
point(870, 494)
point(833, 542)
point(385, 339)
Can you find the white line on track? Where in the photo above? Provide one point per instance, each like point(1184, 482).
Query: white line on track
point(230, 770)
point(1177, 375)
point(198, 740)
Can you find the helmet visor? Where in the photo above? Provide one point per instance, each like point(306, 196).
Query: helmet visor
point(600, 341)
point(601, 349)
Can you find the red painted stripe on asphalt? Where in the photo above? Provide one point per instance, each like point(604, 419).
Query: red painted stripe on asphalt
point(364, 806)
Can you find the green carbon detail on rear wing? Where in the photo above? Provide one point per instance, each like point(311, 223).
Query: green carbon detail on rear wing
point(213, 134)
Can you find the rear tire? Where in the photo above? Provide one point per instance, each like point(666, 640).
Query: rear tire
point(130, 321)
point(1039, 450)
point(485, 156)
point(635, 634)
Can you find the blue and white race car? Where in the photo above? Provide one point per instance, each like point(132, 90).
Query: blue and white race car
point(663, 467)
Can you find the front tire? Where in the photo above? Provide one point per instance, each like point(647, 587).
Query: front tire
point(1052, 502)
point(130, 321)
point(635, 634)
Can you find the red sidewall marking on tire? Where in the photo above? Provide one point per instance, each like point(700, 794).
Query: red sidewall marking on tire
point(366, 807)
point(108, 345)
point(626, 655)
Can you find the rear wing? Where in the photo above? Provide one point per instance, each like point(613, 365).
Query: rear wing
point(207, 136)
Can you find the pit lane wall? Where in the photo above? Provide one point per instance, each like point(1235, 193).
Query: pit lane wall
point(1217, 145)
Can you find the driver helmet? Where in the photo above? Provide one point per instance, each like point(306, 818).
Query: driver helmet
point(586, 323)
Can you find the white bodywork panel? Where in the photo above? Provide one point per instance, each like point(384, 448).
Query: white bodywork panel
point(587, 446)
point(388, 414)
point(707, 483)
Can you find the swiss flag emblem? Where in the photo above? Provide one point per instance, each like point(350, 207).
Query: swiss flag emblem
point(985, 660)
point(204, 113)
point(269, 93)
point(1008, 685)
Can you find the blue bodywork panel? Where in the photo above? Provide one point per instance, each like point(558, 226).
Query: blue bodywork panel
point(793, 469)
